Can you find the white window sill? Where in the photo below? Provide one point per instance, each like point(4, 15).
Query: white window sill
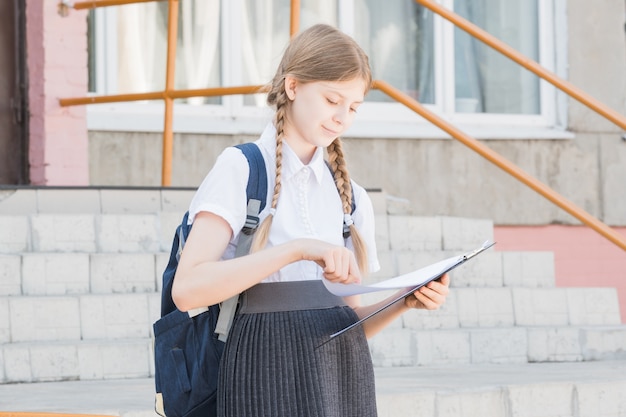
point(214, 120)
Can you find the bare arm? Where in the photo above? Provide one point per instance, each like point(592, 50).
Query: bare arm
point(202, 279)
point(430, 297)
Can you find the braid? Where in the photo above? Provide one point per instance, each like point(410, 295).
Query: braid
point(280, 99)
point(340, 173)
point(342, 179)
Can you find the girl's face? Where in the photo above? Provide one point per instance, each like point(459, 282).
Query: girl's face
point(319, 112)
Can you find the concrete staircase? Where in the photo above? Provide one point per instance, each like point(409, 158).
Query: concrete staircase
point(80, 276)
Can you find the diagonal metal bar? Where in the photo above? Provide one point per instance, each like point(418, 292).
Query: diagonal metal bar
point(503, 164)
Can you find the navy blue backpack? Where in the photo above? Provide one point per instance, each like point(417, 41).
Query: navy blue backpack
point(188, 346)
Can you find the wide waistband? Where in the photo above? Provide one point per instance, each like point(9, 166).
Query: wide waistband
point(288, 296)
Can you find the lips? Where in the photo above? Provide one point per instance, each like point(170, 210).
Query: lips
point(330, 131)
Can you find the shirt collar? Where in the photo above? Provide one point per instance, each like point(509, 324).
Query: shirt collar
point(291, 163)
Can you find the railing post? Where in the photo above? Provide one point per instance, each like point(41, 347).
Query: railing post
point(294, 21)
point(168, 135)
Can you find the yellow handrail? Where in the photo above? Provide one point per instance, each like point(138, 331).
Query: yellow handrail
point(526, 62)
point(104, 3)
point(503, 164)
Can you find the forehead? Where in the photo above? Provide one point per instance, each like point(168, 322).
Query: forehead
point(353, 90)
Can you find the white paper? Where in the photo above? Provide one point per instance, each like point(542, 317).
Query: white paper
point(410, 280)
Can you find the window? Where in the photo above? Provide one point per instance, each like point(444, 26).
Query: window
point(239, 42)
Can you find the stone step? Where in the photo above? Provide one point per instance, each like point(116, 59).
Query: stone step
point(124, 350)
point(81, 273)
point(53, 273)
point(395, 347)
point(81, 317)
point(88, 233)
point(105, 200)
point(126, 315)
point(145, 232)
point(490, 269)
point(63, 360)
point(501, 307)
point(585, 389)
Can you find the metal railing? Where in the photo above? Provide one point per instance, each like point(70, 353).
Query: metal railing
point(170, 93)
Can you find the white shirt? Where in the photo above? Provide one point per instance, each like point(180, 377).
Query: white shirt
point(308, 205)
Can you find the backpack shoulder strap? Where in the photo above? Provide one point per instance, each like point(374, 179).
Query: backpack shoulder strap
point(256, 192)
point(346, 227)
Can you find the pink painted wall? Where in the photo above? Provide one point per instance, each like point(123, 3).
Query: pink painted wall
point(57, 68)
point(582, 257)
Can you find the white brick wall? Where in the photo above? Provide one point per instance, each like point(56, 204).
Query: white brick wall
point(593, 306)
point(115, 273)
point(443, 347)
point(44, 318)
point(471, 404)
point(460, 234)
point(115, 316)
point(55, 273)
point(528, 269)
point(10, 275)
point(14, 233)
point(540, 307)
point(556, 344)
point(129, 233)
point(66, 233)
point(485, 307)
point(5, 321)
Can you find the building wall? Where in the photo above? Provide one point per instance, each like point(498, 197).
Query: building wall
point(438, 176)
point(57, 68)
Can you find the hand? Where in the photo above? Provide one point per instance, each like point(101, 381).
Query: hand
point(431, 296)
point(338, 262)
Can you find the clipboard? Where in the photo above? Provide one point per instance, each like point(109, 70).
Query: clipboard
point(447, 265)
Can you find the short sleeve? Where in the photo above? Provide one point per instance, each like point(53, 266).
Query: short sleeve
point(364, 221)
point(223, 190)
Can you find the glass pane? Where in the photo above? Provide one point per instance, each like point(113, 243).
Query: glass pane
point(142, 47)
point(265, 34)
point(485, 80)
point(398, 36)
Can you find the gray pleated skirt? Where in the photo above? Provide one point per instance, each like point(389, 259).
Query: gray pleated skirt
point(279, 360)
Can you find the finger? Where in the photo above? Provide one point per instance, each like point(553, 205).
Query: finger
point(426, 301)
point(355, 272)
point(329, 265)
point(345, 264)
point(428, 294)
point(437, 287)
point(445, 280)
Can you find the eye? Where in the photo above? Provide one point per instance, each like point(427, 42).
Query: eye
point(353, 109)
point(331, 101)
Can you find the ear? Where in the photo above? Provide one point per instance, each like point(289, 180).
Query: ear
point(290, 87)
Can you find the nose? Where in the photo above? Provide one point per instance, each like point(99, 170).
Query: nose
point(340, 116)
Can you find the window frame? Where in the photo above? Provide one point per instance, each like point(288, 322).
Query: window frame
point(388, 120)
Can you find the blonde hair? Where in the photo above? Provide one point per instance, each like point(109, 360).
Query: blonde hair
point(320, 53)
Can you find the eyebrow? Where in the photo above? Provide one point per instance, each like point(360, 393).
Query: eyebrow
point(334, 91)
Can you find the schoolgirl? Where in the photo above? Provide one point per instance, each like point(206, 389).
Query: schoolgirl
point(279, 360)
